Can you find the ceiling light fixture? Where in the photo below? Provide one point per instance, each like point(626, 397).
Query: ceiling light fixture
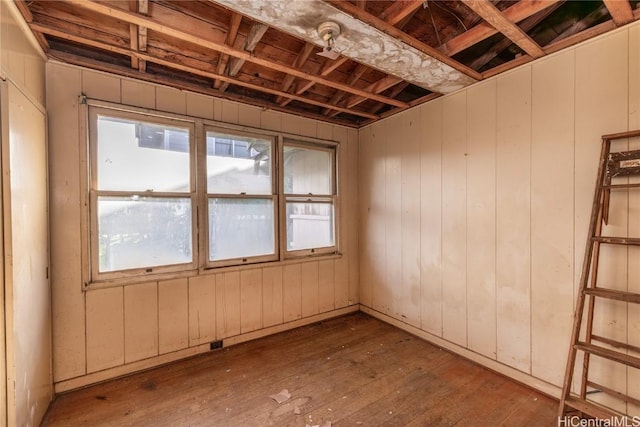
point(328, 32)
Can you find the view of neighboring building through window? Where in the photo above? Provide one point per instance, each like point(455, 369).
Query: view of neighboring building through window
point(142, 194)
point(146, 185)
point(241, 196)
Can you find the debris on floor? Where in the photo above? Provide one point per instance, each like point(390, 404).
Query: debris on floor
point(281, 397)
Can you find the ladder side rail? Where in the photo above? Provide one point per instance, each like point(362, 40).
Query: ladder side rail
point(584, 275)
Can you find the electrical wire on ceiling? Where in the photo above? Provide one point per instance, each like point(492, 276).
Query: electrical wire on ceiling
point(433, 22)
point(425, 5)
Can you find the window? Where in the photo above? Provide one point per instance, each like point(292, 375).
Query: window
point(309, 188)
point(241, 198)
point(141, 194)
point(163, 199)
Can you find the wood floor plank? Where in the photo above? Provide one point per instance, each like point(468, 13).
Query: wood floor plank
point(352, 370)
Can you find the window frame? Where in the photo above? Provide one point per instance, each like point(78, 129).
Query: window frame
point(198, 195)
point(273, 196)
point(94, 111)
point(312, 144)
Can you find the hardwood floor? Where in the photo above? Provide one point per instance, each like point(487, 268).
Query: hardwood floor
point(353, 370)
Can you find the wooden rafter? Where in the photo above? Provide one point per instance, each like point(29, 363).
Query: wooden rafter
point(482, 31)
point(399, 10)
point(143, 8)
point(253, 38)
point(503, 44)
point(302, 57)
point(493, 16)
point(376, 87)
point(155, 25)
point(354, 77)
point(172, 63)
point(28, 17)
point(394, 92)
point(133, 35)
point(620, 11)
point(230, 39)
point(328, 68)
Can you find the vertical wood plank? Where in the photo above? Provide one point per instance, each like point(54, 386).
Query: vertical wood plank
point(138, 93)
point(633, 331)
point(291, 124)
point(308, 127)
point(393, 217)
point(601, 83)
point(140, 321)
point(352, 205)
point(101, 86)
point(250, 300)
point(325, 130)
point(376, 223)
point(365, 229)
point(341, 266)
point(552, 267)
point(105, 329)
point(68, 299)
point(230, 112)
point(513, 217)
point(249, 115)
point(272, 296)
point(171, 100)
point(270, 120)
point(410, 217)
point(326, 285)
point(454, 207)
point(292, 292)
point(228, 304)
point(431, 217)
point(202, 309)
point(481, 219)
point(309, 288)
point(173, 315)
point(199, 105)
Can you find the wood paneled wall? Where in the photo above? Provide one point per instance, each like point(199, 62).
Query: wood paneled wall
point(25, 297)
point(102, 333)
point(474, 211)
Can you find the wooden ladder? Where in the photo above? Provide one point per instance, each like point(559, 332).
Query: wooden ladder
point(612, 165)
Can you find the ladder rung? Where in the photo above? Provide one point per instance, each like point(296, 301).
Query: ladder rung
point(613, 294)
point(617, 240)
point(614, 393)
point(621, 186)
point(616, 344)
point(609, 354)
point(589, 408)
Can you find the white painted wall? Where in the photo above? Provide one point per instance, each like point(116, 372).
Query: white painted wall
point(25, 339)
point(474, 211)
point(104, 332)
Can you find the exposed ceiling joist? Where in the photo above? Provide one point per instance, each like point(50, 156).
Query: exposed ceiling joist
point(620, 11)
point(354, 77)
point(302, 57)
point(221, 47)
point(190, 69)
point(384, 49)
point(482, 31)
point(399, 10)
point(493, 16)
point(230, 39)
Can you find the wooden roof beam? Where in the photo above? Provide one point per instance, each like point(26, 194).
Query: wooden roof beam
point(399, 10)
point(496, 19)
point(28, 17)
point(170, 31)
point(253, 38)
point(230, 39)
point(394, 92)
point(503, 44)
point(171, 63)
point(482, 31)
point(354, 77)
point(302, 57)
point(620, 11)
point(328, 68)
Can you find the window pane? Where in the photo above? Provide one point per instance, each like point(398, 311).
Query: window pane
point(139, 156)
point(309, 225)
point(238, 164)
point(307, 171)
point(240, 228)
point(136, 232)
